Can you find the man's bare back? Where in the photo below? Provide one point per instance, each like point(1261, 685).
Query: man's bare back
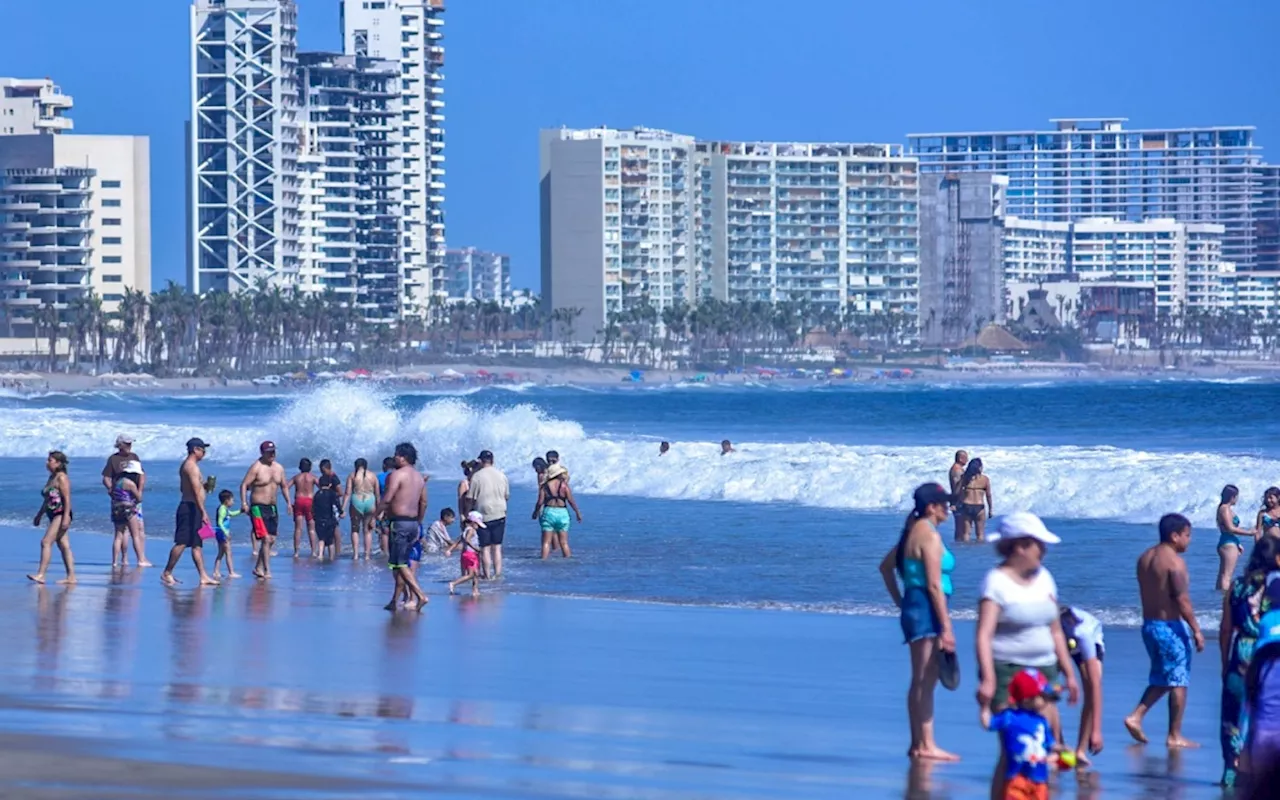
point(1162, 578)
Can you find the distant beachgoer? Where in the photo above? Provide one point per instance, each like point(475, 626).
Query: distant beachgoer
point(924, 564)
point(1243, 607)
point(110, 475)
point(263, 483)
point(954, 475)
point(1087, 647)
point(726, 447)
point(664, 448)
point(489, 493)
point(1169, 628)
point(555, 498)
point(191, 516)
point(464, 487)
point(304, 489)
point(328, 511)
point(1269, 516)
point(405, 505)
point(363, 495)
point(125, 496)
point(975, 499)
point(1229, 532)
point(222, 532)
point(382, 525)
point(55, 510)
point(468, 543)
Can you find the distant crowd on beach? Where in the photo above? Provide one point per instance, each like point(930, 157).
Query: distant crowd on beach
point(1031, 643)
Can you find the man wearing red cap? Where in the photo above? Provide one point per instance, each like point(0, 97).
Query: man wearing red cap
point(258, 492)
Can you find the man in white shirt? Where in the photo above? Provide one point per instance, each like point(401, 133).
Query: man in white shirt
point(489, 493)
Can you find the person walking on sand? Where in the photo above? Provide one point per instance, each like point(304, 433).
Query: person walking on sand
point(469, 563)
point(304, 492)
point(924, 564)
point(363, 496)
point(191, 516)
point(405, 505)
point(1229, 534)
point(262, 485)
point(975, 499)
point(55, 510)
point(111, 473)
point(954, 475)
point(555, 498)
point(1169, 628)
point(489, 493)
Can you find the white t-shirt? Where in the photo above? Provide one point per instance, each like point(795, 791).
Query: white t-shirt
point(1023, 634)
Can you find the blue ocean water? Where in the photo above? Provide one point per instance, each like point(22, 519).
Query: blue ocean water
point(799, 517)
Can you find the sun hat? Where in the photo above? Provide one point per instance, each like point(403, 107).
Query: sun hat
point(555, 471)
point(1022, 525)
point(477, 518)
point(132, 468)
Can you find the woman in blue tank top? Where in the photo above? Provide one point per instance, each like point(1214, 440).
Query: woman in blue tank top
point(924, 564)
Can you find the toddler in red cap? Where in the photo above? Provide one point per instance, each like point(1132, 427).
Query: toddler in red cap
point(1026, 739)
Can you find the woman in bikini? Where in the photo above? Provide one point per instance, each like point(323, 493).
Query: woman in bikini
point(555, 498)
point(362, 488)
point(464, 488)
point(1229, 532)
point(55, 509)
point(1269, 516)
point(975, 498)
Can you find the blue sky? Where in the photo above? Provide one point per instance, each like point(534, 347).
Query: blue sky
point(833, 70)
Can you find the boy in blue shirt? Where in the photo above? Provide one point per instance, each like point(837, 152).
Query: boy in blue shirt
point(222, 530)
point(1026, 740)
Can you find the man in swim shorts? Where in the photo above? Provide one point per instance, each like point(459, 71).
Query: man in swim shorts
point(954, 475)
point(191, 516)
point(262, 484)
point(1169, 628)
point(489, 493)
point(405, 505)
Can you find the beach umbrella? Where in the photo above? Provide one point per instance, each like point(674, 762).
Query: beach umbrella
point(449, 372)
point(481, 373)
point(361, 373)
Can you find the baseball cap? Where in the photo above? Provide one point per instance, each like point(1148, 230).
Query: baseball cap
point(477, 518)
point(1028, 683)
point(1022, 525)
point(124, 438)
point(195, 442)
point(267, 447)
point(485, 455)
point(928, 494)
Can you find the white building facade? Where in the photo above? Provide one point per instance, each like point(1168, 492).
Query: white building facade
point(480, 275)
point(33, 105)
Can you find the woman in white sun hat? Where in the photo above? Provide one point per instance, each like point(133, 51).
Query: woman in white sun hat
point(1018, 623)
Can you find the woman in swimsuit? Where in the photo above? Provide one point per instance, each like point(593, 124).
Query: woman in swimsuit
point(975, 489)
point(464, 488)
point(1229, 532)
point(362, 488)
point(555, 498)
point(125, 496)
point(1269, 516)
point(55, 507)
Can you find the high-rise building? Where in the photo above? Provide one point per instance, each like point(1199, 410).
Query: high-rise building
point(834, 225)
point(32, 105)
point(617, 222)
point(475, 274)
point(962, 282)
point(75, 217)
point(243, 145)
point(1266, 218)
point(411, 33)
point(349, 169)
point(1087, 168)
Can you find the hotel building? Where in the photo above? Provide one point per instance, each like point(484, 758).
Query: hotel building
point(480, 275)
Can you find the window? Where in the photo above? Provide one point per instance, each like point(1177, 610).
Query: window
point(112, 240)
point(112, 298)
point(113, 279)
point(111, 184)
point(111, 260)
point(110, 221)
point(110, 203)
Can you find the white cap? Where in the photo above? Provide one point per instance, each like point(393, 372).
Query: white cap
point(124, 438)
point(132, 468)
point(477, 518)
point(1022, 525)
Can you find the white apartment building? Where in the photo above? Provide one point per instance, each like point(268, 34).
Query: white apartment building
point(836, 225)
point(1254, 293)
point(475, 274)
point(1183, 261)
point(33, 105)
point(243, 145)
point(411, 33)
point(75, 217)
point(617, 222)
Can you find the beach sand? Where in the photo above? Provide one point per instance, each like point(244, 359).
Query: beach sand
point(304, 687)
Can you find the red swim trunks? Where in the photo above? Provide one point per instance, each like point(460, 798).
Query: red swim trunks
point(302, 507)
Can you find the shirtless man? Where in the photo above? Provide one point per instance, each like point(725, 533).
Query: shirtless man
point(191, 516)
point(1169, 628)
point(258, 492)
point(956, 473)
point(304, 492)
point(404, 504)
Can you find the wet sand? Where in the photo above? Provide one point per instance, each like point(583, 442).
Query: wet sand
point(119, 687)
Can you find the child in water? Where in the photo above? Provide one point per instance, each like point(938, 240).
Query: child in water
point(327, 510)
point(222, 531)
point(1026, 740)
point(470, 560)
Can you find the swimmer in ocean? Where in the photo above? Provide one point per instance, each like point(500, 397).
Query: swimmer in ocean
point(664, 448)
point(726, 447)
point(975, 499)
point(1230, 545)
